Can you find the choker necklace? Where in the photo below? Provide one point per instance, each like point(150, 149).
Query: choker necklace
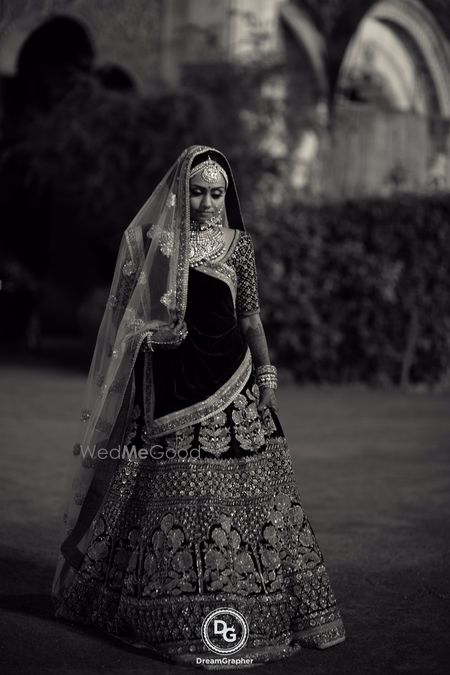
point(206, 245)
point(214, 221)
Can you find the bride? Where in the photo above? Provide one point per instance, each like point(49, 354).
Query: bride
point(184, 531)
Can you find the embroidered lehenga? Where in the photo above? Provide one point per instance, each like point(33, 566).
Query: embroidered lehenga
point(213, 517)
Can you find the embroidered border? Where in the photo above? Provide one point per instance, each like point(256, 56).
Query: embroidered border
point(237, 478)
point(213, 404)
point(182, 274)
point(224, 273)
point(133, 237)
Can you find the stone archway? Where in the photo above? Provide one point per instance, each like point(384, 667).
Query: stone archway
point(391, 104)
point(410, 77)
point(49, 60)
point(126, 34)
point(311, 41)
point(408, 26)
point(17, 31)
point(57, 43)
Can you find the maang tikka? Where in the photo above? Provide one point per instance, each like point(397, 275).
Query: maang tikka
point(210, 171)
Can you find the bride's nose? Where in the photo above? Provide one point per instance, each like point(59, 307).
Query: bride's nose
point(206, 201)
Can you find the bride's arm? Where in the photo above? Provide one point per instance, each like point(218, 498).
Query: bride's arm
point(253, 331)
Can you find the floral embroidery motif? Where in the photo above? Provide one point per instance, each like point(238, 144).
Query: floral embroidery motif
point(269, 425)
point(132, 321)
point(229, 562)
point(171, 200)
point(248, 427)
point(168, 299)
point(169, 563)
point(287, 541)
point(151, 231)
point(214, 436)
point(128, 268)
point(166, 243)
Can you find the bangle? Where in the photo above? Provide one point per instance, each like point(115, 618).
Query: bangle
point(266, 376)
point(267, 368)
point(268, 384)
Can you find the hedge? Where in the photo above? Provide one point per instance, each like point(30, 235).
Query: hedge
point(358, 291)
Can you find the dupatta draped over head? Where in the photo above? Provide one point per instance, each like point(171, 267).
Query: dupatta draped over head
point(148, 294)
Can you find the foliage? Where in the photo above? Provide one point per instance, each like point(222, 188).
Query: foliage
point(358, 291)
point(79, 169)
point(351, 292)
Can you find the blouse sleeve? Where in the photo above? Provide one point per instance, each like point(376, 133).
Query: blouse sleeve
point(247, 299)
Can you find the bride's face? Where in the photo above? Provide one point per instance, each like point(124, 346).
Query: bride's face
point(206, 199)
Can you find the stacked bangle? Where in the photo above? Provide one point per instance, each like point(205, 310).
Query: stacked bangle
point(266, 376)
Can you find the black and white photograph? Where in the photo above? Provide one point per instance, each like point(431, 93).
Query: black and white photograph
point(224, 336)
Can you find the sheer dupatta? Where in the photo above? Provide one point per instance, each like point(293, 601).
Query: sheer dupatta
point(148, 294)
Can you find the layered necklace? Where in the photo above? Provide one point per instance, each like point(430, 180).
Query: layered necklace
point(207, 242)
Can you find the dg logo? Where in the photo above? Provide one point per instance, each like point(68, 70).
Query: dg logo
point(225, 630)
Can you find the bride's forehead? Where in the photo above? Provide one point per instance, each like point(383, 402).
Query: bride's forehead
point(201, 182)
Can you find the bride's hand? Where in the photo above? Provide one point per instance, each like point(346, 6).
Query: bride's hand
point(267, 399)
point(178, 326)
point(168, 337)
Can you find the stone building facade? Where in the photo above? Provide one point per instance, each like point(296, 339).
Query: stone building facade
point(376, 74)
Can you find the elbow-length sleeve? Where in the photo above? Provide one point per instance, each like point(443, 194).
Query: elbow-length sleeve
point(243, 259)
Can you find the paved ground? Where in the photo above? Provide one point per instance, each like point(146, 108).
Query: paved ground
point(373, 471)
